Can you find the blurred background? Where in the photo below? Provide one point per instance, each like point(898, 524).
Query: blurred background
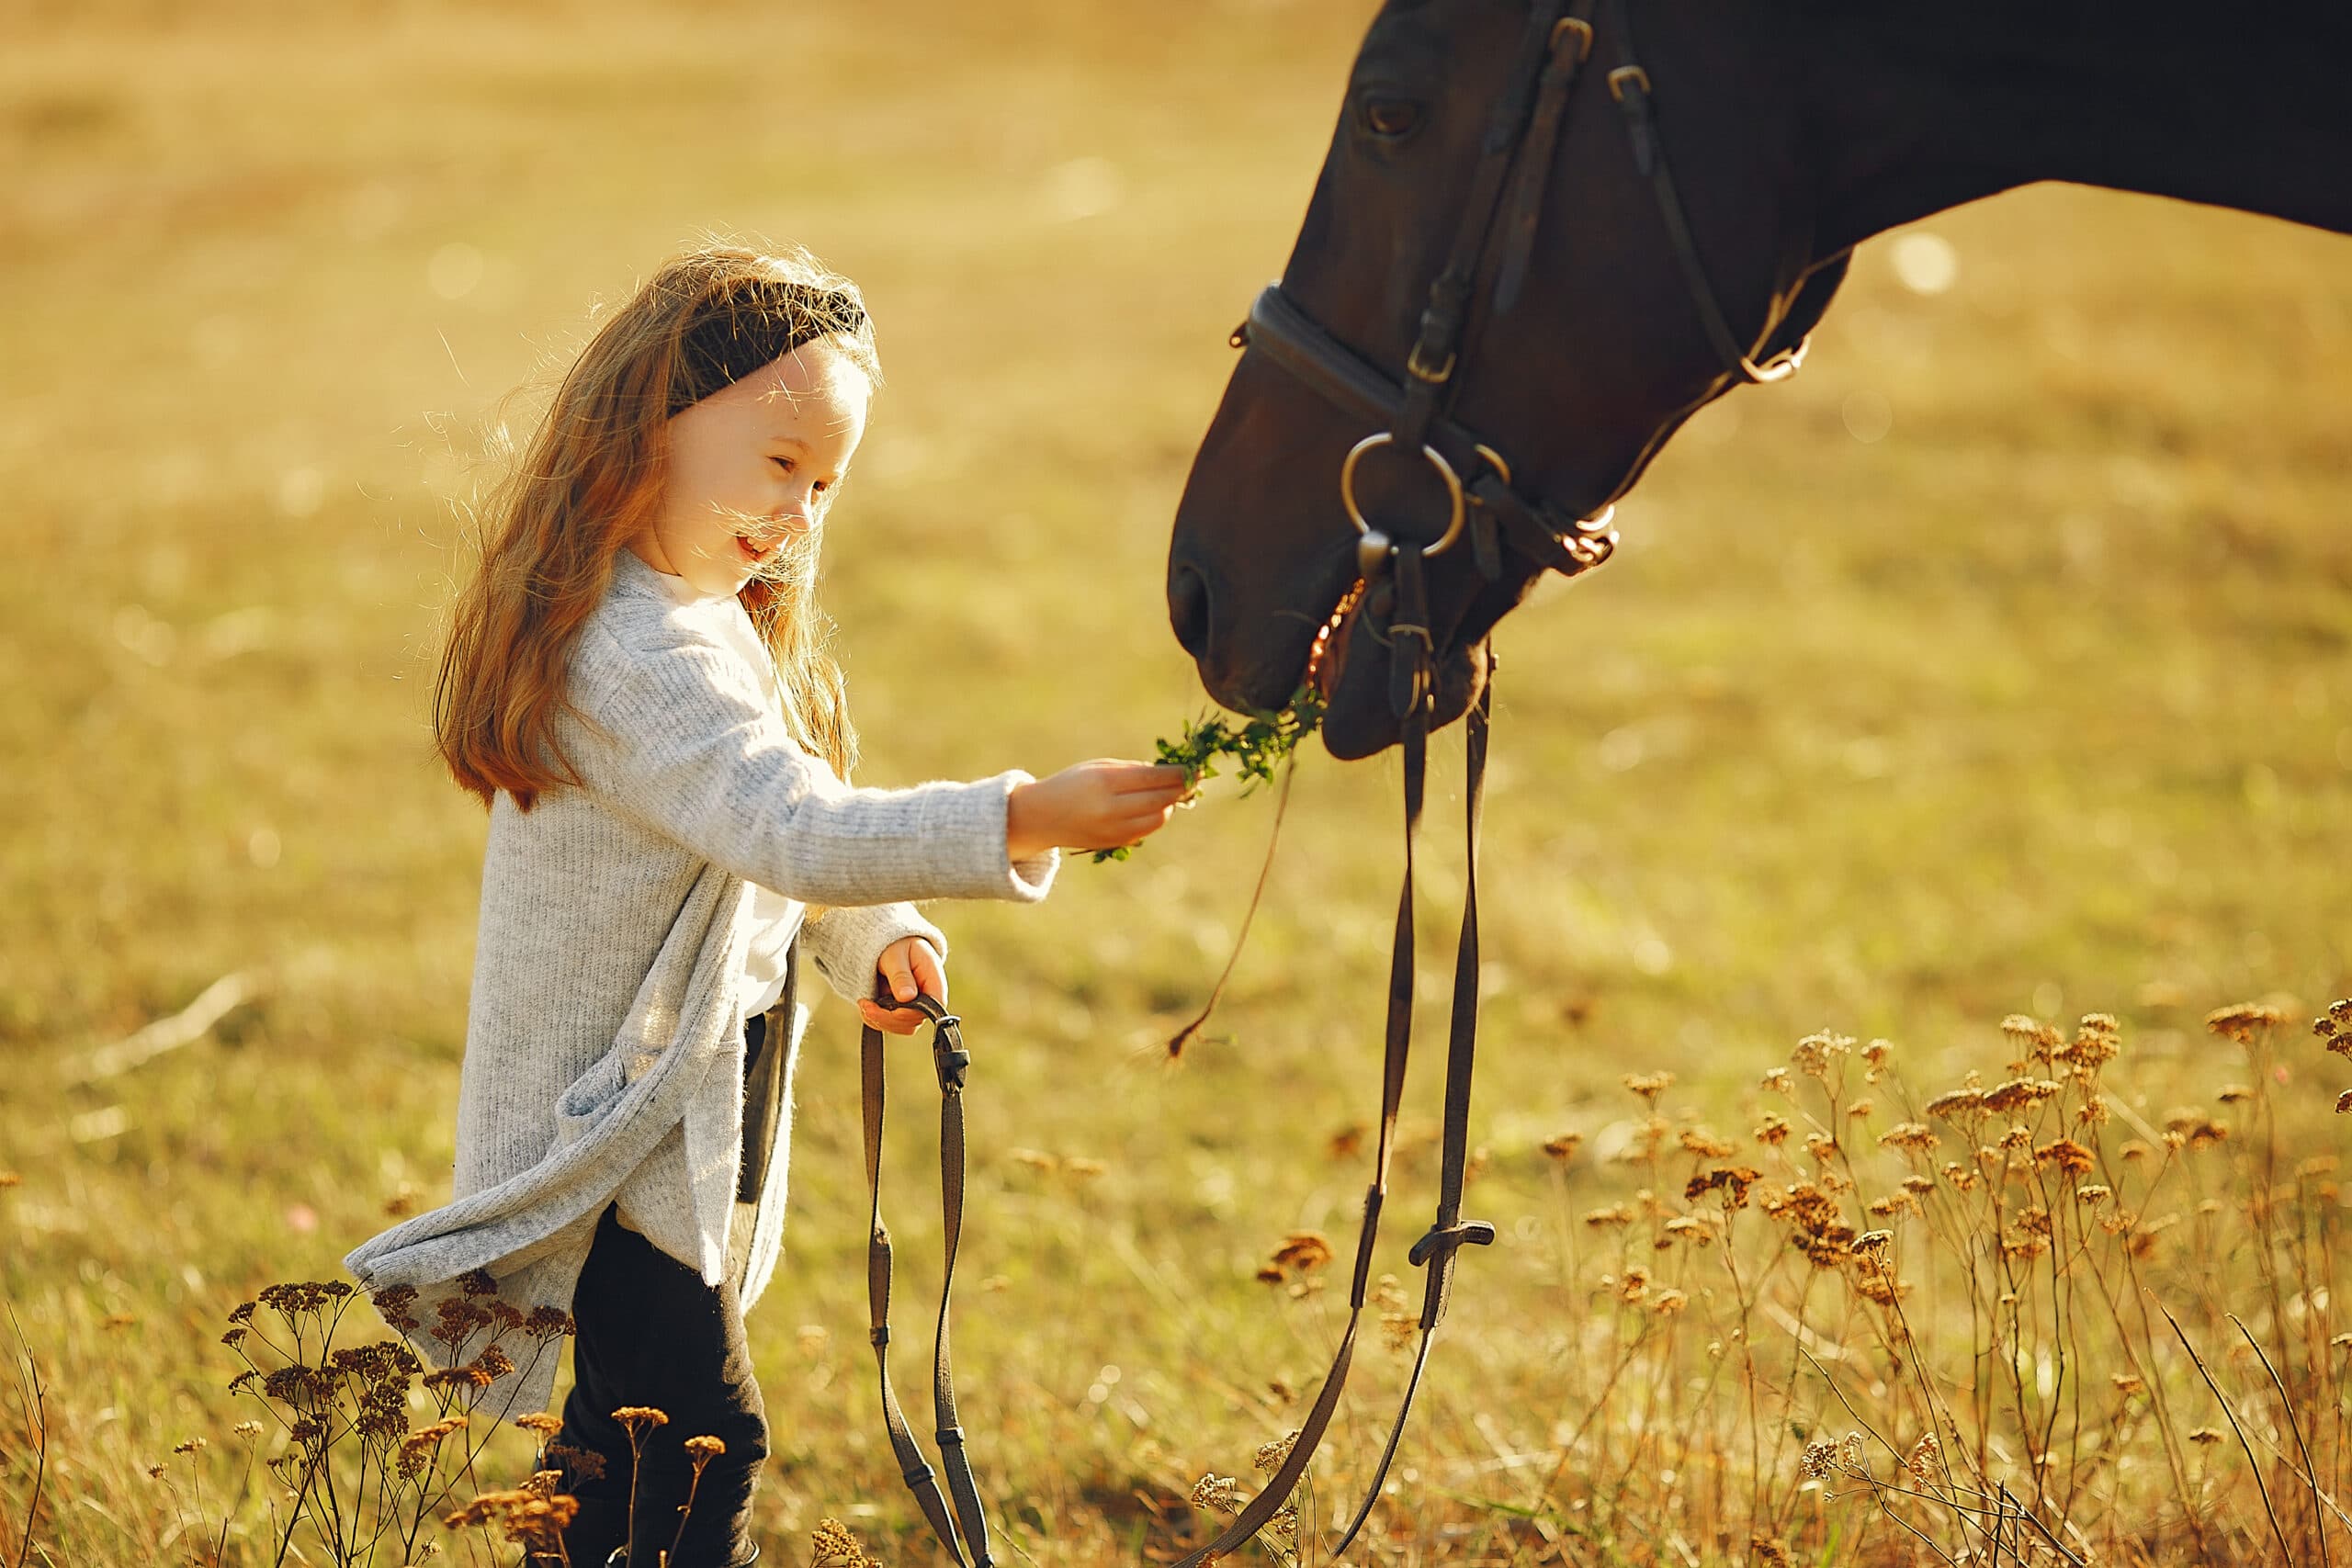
point(1997, 664)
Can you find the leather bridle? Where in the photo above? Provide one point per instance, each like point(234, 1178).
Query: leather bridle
point(1411, 414)
point(1408, 411)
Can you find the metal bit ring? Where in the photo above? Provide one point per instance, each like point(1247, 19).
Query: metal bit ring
point(1436, 461)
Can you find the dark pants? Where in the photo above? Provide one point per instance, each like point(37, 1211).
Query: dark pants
point(651, 1334)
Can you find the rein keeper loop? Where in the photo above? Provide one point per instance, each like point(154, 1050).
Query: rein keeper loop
point(1447, 1238)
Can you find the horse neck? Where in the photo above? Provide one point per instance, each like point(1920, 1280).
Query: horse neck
point(1922, 106)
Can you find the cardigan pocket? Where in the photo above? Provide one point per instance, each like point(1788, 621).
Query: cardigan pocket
point(586, 1102)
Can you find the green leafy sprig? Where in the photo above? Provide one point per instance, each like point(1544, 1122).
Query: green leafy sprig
point(1253, 748)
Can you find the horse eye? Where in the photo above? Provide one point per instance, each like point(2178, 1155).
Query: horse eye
point(1392, 119)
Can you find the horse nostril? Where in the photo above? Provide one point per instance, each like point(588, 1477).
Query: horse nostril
point(1188, 609)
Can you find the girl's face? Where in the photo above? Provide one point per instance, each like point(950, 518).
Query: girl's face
point(754, 465)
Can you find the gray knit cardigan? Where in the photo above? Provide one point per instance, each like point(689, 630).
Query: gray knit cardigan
point(604, 1048)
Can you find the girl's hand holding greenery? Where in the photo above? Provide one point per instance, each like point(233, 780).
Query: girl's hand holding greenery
point(1098, 805)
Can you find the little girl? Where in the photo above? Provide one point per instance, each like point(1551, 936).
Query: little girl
point(637, 686)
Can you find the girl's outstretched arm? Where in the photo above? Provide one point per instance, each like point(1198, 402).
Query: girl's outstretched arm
point(669, 734)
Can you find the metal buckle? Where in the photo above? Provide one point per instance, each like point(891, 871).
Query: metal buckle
point(1421, 372)
point(1593, 539)
point(1624, 74)
point(1444, 471)
point(1579, 26)
point(1781, 367)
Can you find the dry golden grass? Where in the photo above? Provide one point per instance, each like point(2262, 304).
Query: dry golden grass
point(2035, 700)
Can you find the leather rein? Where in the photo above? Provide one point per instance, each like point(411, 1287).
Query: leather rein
point(968, 1529)
point(1411, 414)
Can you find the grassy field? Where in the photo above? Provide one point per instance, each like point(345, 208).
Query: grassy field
point(1998, 664)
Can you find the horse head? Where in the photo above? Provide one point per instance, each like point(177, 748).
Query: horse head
point(1504, 143)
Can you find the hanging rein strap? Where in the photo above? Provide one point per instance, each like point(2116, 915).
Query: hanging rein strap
point(951, 1061)
point(1448, 1234)
point(1439, 1246)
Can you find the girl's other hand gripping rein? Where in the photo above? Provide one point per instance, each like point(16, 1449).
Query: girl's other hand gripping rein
point(907, 965)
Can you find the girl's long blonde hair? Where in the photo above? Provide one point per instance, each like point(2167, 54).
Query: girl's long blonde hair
point(590, 481)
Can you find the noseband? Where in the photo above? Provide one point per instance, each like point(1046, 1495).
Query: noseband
point(1410, 414)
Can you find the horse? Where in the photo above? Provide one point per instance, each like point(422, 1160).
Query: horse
point(1546, 235)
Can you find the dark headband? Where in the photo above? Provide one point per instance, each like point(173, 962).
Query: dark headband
point(762, 320)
